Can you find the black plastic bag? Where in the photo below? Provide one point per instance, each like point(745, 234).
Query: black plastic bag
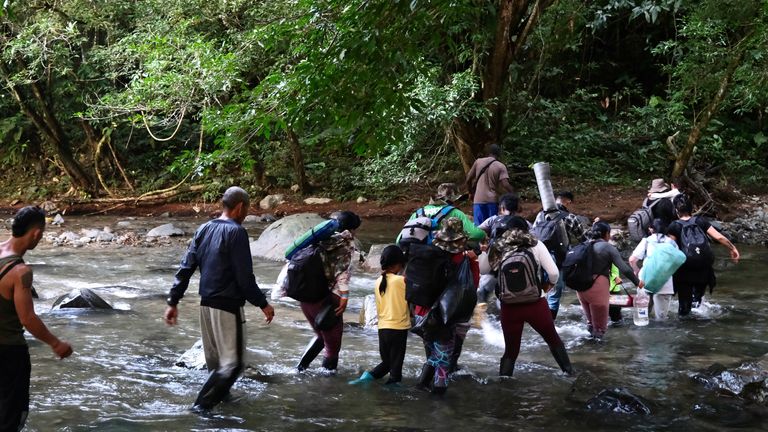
point(457, 302)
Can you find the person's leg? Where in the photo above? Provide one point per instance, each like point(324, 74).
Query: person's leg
point(598, 297)
point(440, 359)
point(661, 306)
point(684, 292)
point(614, 313)
point(487, 287)
point(210, 350)
point(385, 347)
point(585, 307)
point(317, 343)
point(555, 294)
point(227, 330)
point(477, 214)
point(512, 327)
point(398, 346)
point(698, 294)
point(538, 316)
point(332, 338)
point(461, 333)
point(14, 387)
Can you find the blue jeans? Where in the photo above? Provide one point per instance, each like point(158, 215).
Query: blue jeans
point(553, 298)
point(482, 211)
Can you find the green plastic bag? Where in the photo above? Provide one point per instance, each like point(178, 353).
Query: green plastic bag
point(659, 266)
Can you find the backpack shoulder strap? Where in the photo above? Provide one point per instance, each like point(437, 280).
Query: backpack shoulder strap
point(441, 215)
point(10, 267)
point(482, 171)
point(420, 212)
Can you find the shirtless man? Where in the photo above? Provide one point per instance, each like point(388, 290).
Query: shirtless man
point(17, 313)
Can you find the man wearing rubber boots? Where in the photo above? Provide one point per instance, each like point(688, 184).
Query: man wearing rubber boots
point(220, 248)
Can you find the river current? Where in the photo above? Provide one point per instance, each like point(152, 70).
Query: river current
point(122, 376)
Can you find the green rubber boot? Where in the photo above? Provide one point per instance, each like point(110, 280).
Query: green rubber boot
point(364, 378)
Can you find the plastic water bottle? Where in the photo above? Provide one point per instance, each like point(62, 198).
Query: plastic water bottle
point(642, 300)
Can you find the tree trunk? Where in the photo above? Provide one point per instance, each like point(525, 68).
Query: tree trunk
point(684, 156)
point(516, 19)
point(298, 161)
point(50, 128)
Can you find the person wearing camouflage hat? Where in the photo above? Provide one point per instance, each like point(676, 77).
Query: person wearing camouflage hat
point(443, 353)
point(442, 206)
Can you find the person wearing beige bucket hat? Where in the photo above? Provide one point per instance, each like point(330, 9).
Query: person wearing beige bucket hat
point(658, 185)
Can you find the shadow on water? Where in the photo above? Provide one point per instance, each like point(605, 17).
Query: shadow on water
point(123, 375)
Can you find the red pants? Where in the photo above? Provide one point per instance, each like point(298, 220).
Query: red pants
point(514, 317)
point(595, 302)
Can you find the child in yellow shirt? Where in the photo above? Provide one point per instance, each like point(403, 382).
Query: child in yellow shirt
point(394, 318)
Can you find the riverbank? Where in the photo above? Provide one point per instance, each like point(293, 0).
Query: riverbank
point(745, 216)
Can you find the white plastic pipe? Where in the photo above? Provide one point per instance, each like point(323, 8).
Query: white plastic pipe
point(543, 180)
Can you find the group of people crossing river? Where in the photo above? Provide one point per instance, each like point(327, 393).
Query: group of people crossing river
point(440, 268)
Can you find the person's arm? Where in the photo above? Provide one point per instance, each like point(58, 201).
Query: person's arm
point(474, 233)
point(637, 255)
point(25, 309)
point(504, 179)
point(547, 263)
point(342, 284)
point(471, 177)
point(715, 234)
point(181, 282)
point(487, 224)
point(242, 265)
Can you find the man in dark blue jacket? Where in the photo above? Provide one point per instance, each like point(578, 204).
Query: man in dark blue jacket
point(220, 248)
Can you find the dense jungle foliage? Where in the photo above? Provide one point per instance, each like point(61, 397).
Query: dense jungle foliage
point(108, 98)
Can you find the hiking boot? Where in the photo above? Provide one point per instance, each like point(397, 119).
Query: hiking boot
point(366, 377)
point(506, 367)
point(453, 366)
point(310, 353)
point(562, 359)
point(426, 377)
point(330, 363)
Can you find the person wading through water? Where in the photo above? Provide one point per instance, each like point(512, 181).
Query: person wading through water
point(487, 179)
point(17, 312)
point(220, 249)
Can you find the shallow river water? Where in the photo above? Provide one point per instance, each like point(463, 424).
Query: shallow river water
point(122, 376)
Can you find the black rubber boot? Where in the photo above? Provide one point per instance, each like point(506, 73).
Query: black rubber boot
point(426, 377)
point(506, 367)
point(561, 357)
point(454, 365)
point(310, 353)
point(554, 313)
point(330, 363)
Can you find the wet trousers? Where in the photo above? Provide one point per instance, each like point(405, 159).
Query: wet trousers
point(392, 344)
point(688, 295)
point(594, 303)
point(224, 348)
point(439, 353)
point(332, 337)
point(15, 370)
point(661, 306)
point(537, 315)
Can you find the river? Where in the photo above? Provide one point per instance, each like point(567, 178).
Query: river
point(122, 376)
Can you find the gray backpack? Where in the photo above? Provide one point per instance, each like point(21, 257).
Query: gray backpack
point(519, 278)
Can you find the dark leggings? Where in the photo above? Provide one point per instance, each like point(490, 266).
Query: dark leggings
point(687, 294)
point(514, 317)
point(15, 370)
point(392, 345)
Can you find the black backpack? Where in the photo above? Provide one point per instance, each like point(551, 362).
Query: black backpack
point(577, 266)
point(552, 233)
point(695, 244)
point(426, 274)
point(519, 278)
point(306, 275)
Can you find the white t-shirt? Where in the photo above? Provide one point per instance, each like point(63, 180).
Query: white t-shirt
point(646, 248)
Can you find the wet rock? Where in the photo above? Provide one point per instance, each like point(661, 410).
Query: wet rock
point(14, 202)
point(362, 199)
point(317, 201)
point(124, 224)
point(85, 240)
point(295, 188)
point(371, 263)
point(105, 237)
point(268, 218)
point(756, 392)
point(165, 215)
point(744, 380)
point(193, 358)
point(586, 386)
point(276, 238)
point(50, 207)
point(618, 400)
point(68, 237)
point(90, 233)
point(751, 228)
point(252, 219)
point(57, 220)
point(167, 230)
point(271, 201)
point(369, 316)
point(82, 298)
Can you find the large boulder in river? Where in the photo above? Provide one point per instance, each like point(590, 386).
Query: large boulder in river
point(167, 230)
point(193, 358)
point(369, 315)
point(372, 260)
point(82, 298)
point(280, 235)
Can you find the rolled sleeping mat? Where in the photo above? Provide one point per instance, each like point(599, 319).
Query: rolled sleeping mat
point(322, 231)
point(544, 182)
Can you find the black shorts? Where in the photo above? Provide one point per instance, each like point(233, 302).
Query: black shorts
point(14, 386)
